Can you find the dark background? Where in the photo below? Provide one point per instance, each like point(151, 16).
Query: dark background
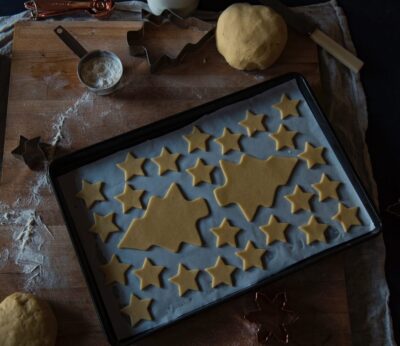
point(375, 30)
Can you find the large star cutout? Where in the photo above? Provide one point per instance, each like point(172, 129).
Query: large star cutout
point(131, 166)
point(283, 138)
point(130, 198)
point(326, 188)
point(286, 107)
point(299, 200)
point(91, 193)
point(201, 172)
point(104, 225)
point(274, 230)
point(225, 233)
point(185, 279)
point(114, 271)
point(251, 256)
point(253, 123)
point(221, 273)
point(149, 274)
point(313, 155)
point(314, 230)
point(229, 141)
point(137, 310)
point(197, 140)
point(166, 161)
point(347, 217)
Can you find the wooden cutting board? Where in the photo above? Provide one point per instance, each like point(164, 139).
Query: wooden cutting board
point(46, 96)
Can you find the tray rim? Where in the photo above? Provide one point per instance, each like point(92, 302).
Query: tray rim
point(66, 163)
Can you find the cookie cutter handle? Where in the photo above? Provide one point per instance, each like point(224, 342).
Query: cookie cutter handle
point(70, 41)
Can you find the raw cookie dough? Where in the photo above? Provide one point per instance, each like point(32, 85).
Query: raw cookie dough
point(201, 172)
point(274, 230)
point(26, 321)
point(225, 233)
point(287, 107)
point(299, 200)
point(114, 271)
point(149, 274)
point(326, 188)
point(312, 155)
point(263, 177)
point(228, 141)
point(197, 140)
point(347, 217)
point(250, 37)
point(138, 309)
point(221, 273)
point(130, 198)
point(104, 225)
point(166, 161)
point(168, 222)
point(131, 166)
point(185, 279)
point(91, 193)
point(253, 123)
point(251, 256)
point(314, 230)
point(283, 138)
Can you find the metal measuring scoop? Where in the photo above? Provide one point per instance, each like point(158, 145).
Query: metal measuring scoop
point(99, 70)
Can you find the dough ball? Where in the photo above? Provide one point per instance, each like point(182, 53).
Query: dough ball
point(250, 37)
point(26, 321)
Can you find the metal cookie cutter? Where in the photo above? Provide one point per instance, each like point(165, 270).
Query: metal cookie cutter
point(100, 70)
point(138, 49)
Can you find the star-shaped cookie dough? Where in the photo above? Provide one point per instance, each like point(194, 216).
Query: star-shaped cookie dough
point(314, 230)
point(326, 188)
point(274, 230)
point(138, 309)
point(166, 161)
point(229, 141)
point(347, 217)
point(283, 138)
point(114, 271)
point(185, 279)
point(200, 172)
point(130, 198)
point(286, 107)
point(197, 140)
point(225, 233)
point(91, 193)
point(221, 273)
point(253, 123)
point(313, 155)
point(149, 274)
point(131, 166)
point(251, 256)
point(104, 225)
point(299, 200)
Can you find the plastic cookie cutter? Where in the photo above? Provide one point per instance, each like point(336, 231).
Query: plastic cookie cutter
point(137, 44)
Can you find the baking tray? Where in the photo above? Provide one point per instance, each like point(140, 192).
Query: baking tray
point(63, 168)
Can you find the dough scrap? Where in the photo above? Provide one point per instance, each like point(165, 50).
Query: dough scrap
point(299, 200)
point(200, 172)
point(251, 256)
point(286, 107)
point(149, 274)
point(253, 123)
point(221, 273)
point(185, 279)
point(312, 155)
point(274, 230)
point(253, 182)
point(326, 188)
point(229, 141)
point(347, 217)
point(132, 166)
point(314, 230)
point(197, 140)
point(166, 161)
point(114, 271)
point(283, 138)
point(225, 233)
point(138, 310)
point(130, 198)
point(104, 225)
point(91, 193)
point(168, 222)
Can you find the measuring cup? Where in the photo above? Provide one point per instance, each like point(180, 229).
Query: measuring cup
point(99, 70)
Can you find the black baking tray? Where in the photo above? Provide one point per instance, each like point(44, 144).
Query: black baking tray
point(100, 150)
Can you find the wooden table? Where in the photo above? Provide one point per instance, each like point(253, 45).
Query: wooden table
point(44, 89)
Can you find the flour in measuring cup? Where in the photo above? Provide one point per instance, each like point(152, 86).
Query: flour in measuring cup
point(101, 72)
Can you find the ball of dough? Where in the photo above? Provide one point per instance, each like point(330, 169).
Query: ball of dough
point(250, 37)
point(26, 321)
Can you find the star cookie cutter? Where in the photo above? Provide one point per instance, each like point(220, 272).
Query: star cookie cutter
point(33, 152)
point(155, 61)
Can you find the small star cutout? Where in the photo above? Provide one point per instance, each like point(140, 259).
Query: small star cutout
point(253, 123)
point(166, 161)
point(149, 274)
point(220, 273)
point(229, 141)
point(104, 225)
point(197, 140)
point(274, 230)
point(114, 271)
point(130, 198)
point(326, 188)
point(91, 193)
point(286, 107)
point(314, 230)
point(283, 138)
point(312, 155)
point(138, 309)
point(251, 256)
point(200, 172)
point(131, 166)
point(347, 217)
point(185, 279)
point(225, 233)
point(299, 200)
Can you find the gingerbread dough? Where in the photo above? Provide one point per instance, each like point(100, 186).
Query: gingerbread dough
point(253, 123)
point(286, 107)
point(347, 217)
point(114, 271)
point(228, 141)
point(326, 188)
point(131, 166)
point(201, 172)
point(104, 225)
point(185, 279)
point(299, 200)
point(130, 198)
point(283, 138)
point(312, 155)
point(91, 193)
point(197, 140)
point(225, 233)
point(138, 310)
point(314, 230)
point(149, 274)
point(251, 256)
point(166, 161)
point(221, 273)
point(274, 230)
